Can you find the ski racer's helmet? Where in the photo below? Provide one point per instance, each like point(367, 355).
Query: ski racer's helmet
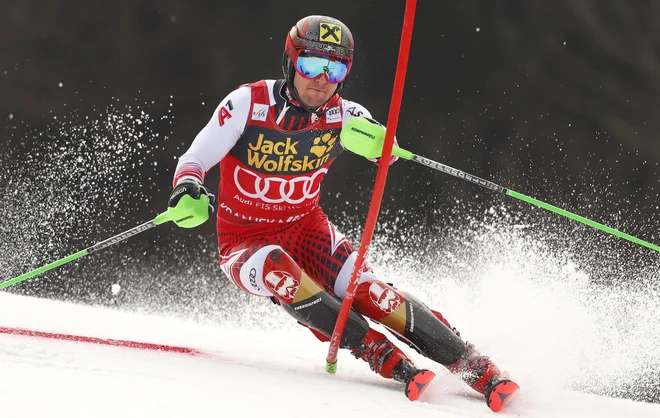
point(318, 36)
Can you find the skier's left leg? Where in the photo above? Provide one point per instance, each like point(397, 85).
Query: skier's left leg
point(429, 333)
point(328, 256)
point(426, 330)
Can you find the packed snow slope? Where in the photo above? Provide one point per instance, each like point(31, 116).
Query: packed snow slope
point(237, 373)
point(570, 311)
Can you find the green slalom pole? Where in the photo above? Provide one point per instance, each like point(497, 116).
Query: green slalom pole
point(160, 219)
point(365, 138)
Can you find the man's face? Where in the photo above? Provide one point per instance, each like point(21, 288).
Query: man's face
point(314, 92)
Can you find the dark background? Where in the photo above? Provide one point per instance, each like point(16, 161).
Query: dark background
point(557, 100)
point(554, 99)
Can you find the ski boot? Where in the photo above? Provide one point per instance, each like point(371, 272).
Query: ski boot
point(482, 375)
point(390, 362)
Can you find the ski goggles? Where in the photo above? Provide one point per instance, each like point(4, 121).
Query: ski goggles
point(311, 64)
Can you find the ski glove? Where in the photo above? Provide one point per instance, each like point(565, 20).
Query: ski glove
point(190, 204)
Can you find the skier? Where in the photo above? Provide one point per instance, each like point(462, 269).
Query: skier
point(275, 140)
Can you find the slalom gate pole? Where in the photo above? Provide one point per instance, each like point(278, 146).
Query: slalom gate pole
point(160, 219)
point(379, 186)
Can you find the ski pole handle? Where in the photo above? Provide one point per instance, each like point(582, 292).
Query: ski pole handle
point(160, 219)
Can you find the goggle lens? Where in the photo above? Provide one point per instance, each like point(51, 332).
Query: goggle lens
point(310, 64)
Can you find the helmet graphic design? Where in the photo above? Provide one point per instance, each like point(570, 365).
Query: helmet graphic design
point(321, 34)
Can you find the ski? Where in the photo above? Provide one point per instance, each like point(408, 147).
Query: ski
point(418, 384)
point(501, 394)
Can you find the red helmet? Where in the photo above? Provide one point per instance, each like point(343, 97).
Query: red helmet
point(320, 34)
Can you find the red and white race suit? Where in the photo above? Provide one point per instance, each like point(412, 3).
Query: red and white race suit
point(275, 241)
point(273, 156)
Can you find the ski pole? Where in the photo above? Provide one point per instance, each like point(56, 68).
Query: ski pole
point(160, 219)
point(359, 137)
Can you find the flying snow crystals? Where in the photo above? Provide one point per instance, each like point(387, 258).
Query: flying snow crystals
point(115, 288)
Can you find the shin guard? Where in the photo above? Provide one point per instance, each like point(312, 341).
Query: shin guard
point(307, 301)
point(426, 331)
point(410, 320)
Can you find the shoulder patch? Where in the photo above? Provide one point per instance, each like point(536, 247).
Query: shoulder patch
point(259, 112)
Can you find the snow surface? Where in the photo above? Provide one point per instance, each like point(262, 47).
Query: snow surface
point(565, 309)
point(242, 373)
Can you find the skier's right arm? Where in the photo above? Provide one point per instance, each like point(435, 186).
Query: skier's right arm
point(217, 138)
point(190, 198)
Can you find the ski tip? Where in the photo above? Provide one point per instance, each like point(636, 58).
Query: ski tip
point(502, 394)
point(418, 384)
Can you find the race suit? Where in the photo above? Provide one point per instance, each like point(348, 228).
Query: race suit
point(275, 241)
point(273, 157)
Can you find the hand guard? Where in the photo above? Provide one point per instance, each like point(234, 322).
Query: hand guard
point(190, 204)
point(393, 157)
point(365, 137)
